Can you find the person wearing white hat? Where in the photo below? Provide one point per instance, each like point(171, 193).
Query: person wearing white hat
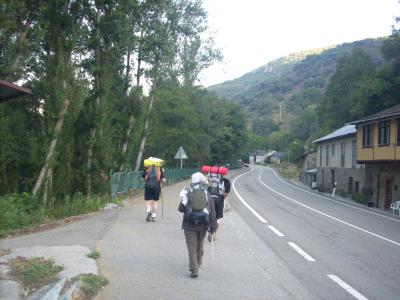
point(198, 211)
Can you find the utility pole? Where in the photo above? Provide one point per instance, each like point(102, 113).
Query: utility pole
point(280, 111)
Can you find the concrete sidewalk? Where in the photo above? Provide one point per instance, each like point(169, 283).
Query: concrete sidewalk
point(149, 260)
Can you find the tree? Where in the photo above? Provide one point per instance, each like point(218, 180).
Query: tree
point(341, 94)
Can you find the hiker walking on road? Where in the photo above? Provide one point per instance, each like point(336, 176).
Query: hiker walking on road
point(218, 188)
point(153, 177)
point(198, 211)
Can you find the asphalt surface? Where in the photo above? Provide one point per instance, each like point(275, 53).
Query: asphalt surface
point(149, 260)
point(350, 250)
point(277, 241)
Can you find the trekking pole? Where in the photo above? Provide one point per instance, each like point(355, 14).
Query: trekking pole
point(162, 205)
point(212, 248)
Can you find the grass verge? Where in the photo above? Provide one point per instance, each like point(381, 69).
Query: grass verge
point(34, 272)
point(91, 284)
point(94, 254)
point(21, 212)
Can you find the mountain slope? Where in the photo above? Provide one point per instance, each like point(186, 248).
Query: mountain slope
point(291, 84)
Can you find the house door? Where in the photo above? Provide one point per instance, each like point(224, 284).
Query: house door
point(388, 192)
point(350, 191)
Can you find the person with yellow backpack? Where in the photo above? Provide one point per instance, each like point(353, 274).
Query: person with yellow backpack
point(153, 177)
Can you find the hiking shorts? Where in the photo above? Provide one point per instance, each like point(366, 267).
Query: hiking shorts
point(219, 206)
point(152, 194)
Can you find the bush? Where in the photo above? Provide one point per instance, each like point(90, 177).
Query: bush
point(94, 254)
point(360, 198)
point(91, 283)
point(20, 211)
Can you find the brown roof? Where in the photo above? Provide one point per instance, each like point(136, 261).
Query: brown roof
point(390, 112)
point(9, 91)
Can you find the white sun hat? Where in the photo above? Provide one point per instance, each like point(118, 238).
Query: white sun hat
point(198, 178)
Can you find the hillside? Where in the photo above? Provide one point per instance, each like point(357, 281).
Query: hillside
point(288, 85)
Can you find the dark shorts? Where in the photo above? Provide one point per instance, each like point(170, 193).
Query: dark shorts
point(152, 194)
point(219, 207)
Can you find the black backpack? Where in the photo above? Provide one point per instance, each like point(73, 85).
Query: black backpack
point(151, 181)
point(197, 207)
point(215, 189)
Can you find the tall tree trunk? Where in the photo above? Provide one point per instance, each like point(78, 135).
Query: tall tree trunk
point(5, 180)
point(146, 129)
point(131, 122)
point(48, 185)
point(19, 42)
point(89, 163)
point(127, 72)
point(53, 144)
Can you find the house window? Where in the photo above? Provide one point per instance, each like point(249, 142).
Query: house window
point(367, 135)
point(342, 154)
point(320, 156)
point(353, 153)
point(398, 132)
point(327, 156)
point(384, 133)
point(333, 149)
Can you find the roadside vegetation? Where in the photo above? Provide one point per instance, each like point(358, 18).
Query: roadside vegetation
point(91, 284)
point(94, 254)
point(19, 212)
point(34, 272)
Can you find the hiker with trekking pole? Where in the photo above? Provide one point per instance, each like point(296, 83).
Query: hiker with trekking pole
point(153, 177)
point(219, 188)
point(199, 217)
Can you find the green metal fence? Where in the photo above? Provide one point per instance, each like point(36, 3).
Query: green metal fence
point(123, 182)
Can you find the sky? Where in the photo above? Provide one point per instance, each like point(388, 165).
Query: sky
point(252, 33)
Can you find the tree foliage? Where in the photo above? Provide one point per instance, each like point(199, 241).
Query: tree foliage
point(87, 113)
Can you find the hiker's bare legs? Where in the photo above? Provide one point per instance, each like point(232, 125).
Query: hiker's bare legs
point(148, 205)
point(154, 208)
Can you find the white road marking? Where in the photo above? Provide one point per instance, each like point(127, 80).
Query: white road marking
point(347, 287)
point(276, 231)
point(301, 251)
point(326, 215)
point(333, 200)
point(244, 202)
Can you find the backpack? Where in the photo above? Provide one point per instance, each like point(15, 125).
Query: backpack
point(152, 179)
point(215, 185)
point(197, 207)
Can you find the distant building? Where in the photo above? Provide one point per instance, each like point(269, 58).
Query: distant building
point(308, 173)
point(257, 157)
point(336, 163)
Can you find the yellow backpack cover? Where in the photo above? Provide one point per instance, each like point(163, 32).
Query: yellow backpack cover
point(153, 161)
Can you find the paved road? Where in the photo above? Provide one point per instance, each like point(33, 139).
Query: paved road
point(335, 248)
point(349, 251)
point(149, 260)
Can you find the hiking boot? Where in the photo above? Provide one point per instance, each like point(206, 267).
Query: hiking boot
point(210, 236)
point(148, 216)
point(194, 274)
